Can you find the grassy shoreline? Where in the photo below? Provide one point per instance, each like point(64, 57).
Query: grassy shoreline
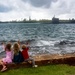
point(60, 69)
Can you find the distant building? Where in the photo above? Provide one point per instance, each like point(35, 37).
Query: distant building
point(72, 21)
point(55, 20)
point(29, 18)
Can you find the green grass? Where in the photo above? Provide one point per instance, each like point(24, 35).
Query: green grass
point(43, 70)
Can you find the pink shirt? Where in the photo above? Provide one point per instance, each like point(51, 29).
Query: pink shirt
point(8, 58)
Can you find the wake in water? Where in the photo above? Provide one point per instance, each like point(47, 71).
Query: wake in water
point(47, 46)
point(51, 47)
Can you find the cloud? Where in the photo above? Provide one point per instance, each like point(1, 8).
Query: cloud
point(63, 9)
point(37, 9)
point(40, 3)
point(4, 8)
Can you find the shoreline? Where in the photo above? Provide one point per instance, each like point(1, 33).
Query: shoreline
point(37, 56)
point(47, 59)
point(52, 56)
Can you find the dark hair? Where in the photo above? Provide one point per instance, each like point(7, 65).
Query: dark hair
point(8, 46)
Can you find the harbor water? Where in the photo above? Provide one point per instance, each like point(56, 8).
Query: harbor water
point(42, 38)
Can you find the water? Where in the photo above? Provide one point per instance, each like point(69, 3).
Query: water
point(43, 38)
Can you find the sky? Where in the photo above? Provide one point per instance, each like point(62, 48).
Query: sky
point(36, 9)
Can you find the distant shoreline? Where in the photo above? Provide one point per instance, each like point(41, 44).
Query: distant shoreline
point(39, 22)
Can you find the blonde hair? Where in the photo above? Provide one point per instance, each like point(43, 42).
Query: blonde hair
point(16, 48)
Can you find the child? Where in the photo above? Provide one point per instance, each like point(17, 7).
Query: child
point(8, 58)
point(26, 56)
point(18, 58)
point(2, 47)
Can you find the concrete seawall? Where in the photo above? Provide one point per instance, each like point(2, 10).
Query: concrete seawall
point(55, 59)
point(46, 59)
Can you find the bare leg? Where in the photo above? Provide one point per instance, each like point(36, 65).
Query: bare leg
point(4, 66)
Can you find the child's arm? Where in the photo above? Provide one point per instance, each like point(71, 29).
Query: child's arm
point(27, 45)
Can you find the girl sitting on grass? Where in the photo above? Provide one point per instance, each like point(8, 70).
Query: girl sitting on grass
point(8, 58)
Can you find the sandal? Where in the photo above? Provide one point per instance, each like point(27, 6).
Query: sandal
point(4, 69)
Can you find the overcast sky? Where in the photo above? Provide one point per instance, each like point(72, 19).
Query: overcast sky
point(36, 9)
